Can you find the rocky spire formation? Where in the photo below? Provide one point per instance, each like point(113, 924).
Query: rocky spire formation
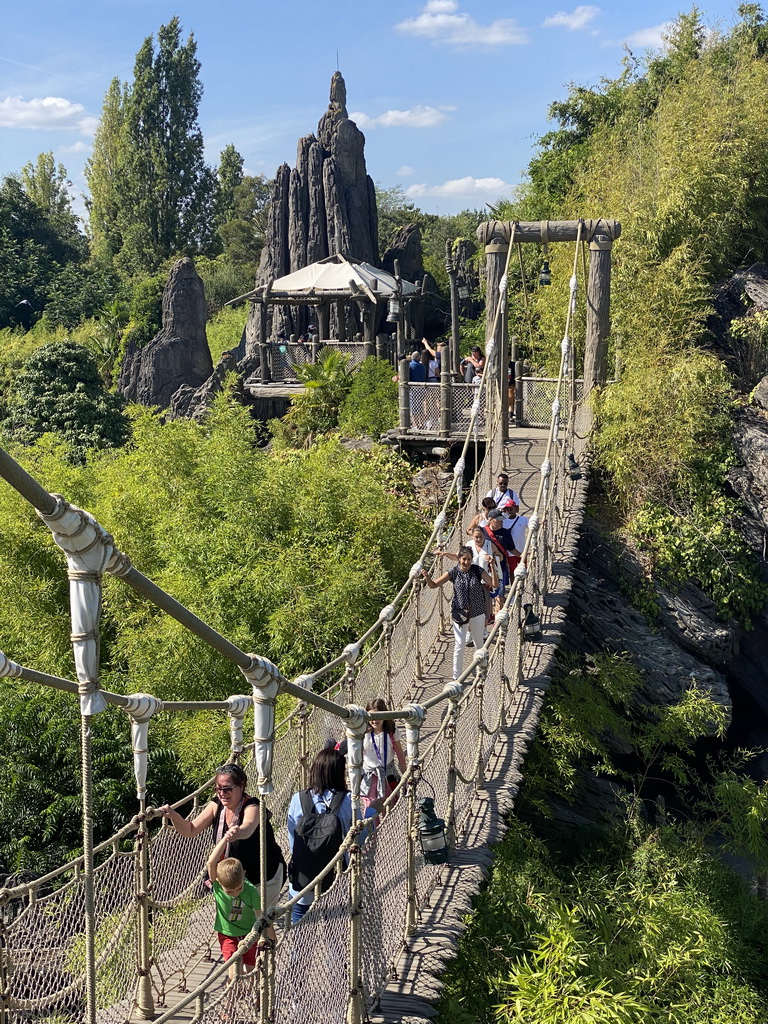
point(179, 353)
point(325, 204)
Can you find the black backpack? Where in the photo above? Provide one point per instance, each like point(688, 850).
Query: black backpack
point(316, 840)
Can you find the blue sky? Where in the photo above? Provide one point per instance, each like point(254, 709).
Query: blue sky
point(451, 94)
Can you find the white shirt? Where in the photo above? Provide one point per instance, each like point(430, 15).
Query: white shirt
point(518, 526)
point(503, 495)
point(384, 756)
point(481, 556)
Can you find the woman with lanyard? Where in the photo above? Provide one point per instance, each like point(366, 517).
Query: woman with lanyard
point(233, 808)
point(380, 747)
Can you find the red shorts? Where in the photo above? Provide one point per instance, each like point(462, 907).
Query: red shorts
point(229, 945)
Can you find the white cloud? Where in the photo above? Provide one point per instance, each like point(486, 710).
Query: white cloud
point(405, 171)
point(649, 38)
point(442, 22)
point(489, 189)
point(579, 18)
point(416, 117)
point(45, 112)
point(76, 147)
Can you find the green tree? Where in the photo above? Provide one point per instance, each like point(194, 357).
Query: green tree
point(229, 176)
point(316, 411)
point(47, 185)
point(35, 250)
point(107, 175)
point(160, 200)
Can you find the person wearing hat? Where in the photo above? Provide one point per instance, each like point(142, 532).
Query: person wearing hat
point(517, 526)
point(502, 539)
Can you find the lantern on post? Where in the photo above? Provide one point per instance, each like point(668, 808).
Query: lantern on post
point(531, 624)
point(431, 832)
point(393, 310)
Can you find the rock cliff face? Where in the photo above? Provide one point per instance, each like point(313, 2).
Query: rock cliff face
point(326, 204)
point(178, 355)
point(686, 640)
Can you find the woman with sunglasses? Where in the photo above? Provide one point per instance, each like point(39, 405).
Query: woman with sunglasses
point(232, 810)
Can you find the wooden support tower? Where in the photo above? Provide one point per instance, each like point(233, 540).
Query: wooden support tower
point(600, 234)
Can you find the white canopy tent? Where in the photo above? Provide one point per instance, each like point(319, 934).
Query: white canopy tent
point(338, 276)
point(337, 279)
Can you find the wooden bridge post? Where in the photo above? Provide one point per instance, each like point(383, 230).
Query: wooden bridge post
point(598, 311)
point(382, 346)
point(355, 1002)
point(446, 393)
point(496, 251)
point(145, 1004)
point(404, 376)
point(410, 857)
point(417, 625)
point(341, 320)
point(324, 320)
point(266, 371)
point(450, 266)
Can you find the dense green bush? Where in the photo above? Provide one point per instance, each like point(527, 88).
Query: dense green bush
point(61, 391)
point(370, 408)
point(650, 928)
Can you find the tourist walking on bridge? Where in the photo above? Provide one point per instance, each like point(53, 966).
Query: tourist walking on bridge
point(468, 609)
point(235, 813)
point(502, 494)
point(237, 904)
point(327, 809)
point(380, 748)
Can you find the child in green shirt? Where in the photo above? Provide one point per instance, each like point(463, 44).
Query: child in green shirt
point(237, 904)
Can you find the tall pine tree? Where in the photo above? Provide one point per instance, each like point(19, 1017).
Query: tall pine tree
point(151, 191)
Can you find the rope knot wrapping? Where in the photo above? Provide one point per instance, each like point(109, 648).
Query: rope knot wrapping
point(556, 408)
point(237, 708)
point(265, 679)
point(534, 522)
point(520, 573)
point(502, 617)
point(480, 657)
point(415, 569)
point(356, 728)
point(9, 669)
point(413, 723)
point(141, 707)
point(387, 613)
point(503, 284)
point(306, 682)
point(90, 551)
point(546, 469)
point(351, 653)
point(453, 690)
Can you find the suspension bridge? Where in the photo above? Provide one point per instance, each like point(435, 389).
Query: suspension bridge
point(124, 932)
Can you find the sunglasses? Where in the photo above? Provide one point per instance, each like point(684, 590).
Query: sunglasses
point(224, 789)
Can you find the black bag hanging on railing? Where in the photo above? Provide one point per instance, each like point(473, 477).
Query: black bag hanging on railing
point(316, 841)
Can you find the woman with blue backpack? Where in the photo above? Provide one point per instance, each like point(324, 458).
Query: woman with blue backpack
point(318, 820)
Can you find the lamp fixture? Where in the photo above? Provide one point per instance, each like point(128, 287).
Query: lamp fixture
point(431, 832)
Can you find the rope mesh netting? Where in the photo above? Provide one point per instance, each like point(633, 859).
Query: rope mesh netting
point(346, 948)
